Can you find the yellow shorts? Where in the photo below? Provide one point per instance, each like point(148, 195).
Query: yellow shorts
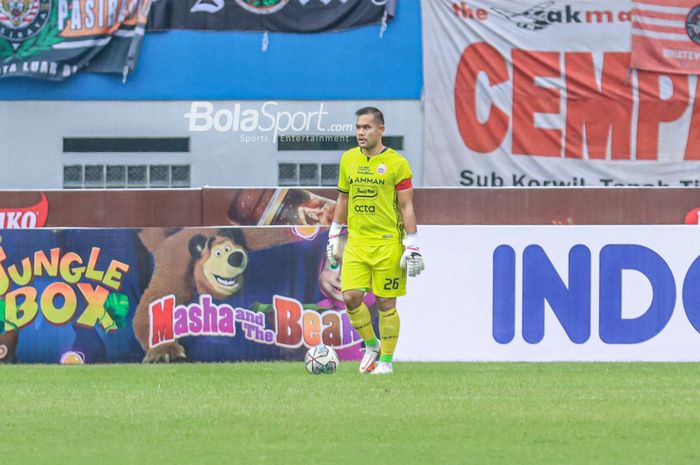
point(374, 267)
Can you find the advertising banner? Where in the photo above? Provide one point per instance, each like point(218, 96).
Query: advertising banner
point(542, 94)
point(25, 217)
point(526, 293)
point(53, 39)
point(548, 293)
point(268, 15)
point(666, 36)
point(163, 295)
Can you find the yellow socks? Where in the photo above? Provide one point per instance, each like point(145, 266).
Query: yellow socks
point(389, 325)
point(362, 322)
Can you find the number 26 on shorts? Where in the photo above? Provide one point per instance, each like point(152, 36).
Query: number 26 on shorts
point(390, 283)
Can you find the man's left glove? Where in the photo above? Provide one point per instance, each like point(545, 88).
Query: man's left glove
point(412, 260)
point(333, 246)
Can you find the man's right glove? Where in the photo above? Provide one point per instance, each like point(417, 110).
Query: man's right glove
point(333, 246)
point(412, 259)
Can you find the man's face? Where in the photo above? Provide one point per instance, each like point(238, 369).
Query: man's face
point(368, 131)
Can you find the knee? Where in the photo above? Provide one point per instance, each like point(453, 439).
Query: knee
point(384, 304)
point(352, 299)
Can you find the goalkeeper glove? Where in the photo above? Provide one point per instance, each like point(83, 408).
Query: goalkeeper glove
point(333, 246)
point(412, 260)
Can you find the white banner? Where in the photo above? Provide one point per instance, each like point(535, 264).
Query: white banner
point(542, 93)
point(554, 293)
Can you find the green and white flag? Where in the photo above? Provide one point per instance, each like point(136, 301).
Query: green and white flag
point(53, 39)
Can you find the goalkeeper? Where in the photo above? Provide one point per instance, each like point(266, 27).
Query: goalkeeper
point(375, 199)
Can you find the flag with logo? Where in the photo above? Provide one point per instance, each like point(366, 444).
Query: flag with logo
point(269, 15)
point(666, 36)
point(53, 39)
point(541, 93)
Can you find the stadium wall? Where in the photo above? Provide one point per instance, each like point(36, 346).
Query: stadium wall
point(118, 208)
point(225, 143)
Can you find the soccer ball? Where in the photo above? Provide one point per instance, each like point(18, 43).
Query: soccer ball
point(321, 359)
point(72, 358)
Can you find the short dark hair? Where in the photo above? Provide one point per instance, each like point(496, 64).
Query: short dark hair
point(378, 115)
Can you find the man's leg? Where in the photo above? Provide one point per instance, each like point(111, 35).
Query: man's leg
point(355, 280)
point(389, 326)
point(388, 282)
point(361, 320)
point(359, 316)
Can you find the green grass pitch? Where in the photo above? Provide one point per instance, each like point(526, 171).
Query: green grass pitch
point(276, 413)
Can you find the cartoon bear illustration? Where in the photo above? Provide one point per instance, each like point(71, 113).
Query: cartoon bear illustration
point(215, 265)
point(219, 263)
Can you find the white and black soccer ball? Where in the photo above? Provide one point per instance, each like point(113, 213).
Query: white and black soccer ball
point(321, 359)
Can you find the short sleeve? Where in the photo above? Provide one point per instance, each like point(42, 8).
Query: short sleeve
point(343, 185)
point(403, 171)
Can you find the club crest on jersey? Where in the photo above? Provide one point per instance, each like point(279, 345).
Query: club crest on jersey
point(381, 169)
point(21, 19)
point(262, 7)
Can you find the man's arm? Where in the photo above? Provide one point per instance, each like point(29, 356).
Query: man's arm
point(340, 217)
point(405, 198)
point(411, 259)
point(340, 214)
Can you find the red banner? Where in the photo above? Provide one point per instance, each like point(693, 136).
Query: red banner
point(666, 36)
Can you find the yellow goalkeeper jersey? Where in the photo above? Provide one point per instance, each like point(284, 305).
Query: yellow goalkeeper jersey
point(371, 184)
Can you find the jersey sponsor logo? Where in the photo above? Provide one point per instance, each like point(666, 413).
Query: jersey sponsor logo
point(365, 193)
point(367, 180)
point(365, 209)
